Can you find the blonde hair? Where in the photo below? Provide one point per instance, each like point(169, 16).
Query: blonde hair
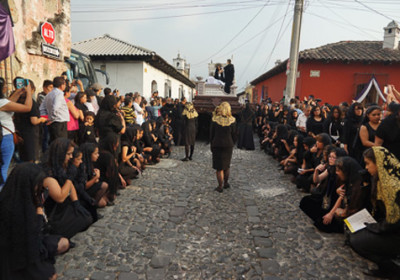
point(224, 110)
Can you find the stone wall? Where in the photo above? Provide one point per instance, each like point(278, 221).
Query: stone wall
point(28, 61)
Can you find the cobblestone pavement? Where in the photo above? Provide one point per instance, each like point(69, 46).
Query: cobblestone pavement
point(171, 224)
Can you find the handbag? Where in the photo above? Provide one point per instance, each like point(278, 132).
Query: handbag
point(16, 136)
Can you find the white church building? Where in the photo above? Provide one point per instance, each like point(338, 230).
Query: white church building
point(135, 69)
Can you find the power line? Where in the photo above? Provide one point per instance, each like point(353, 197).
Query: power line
point(256, 51)
point(164, 17)
point(379, 13)
point(278, 38)
point(234, 37)
point(166, 6)
point(348, 22)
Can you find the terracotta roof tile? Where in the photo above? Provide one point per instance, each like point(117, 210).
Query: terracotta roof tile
point(345, 51)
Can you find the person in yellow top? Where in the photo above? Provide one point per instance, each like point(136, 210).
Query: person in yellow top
point(129, 113)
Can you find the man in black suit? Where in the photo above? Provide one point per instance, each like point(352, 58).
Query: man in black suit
point(229, 71)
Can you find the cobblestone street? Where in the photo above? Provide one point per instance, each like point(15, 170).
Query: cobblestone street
point(171, 224)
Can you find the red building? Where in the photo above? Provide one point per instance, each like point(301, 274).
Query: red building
point(338, 72)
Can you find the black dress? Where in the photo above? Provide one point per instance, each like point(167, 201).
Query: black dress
point(29, 149)
point(222, 139)
point(245, 139)
point(315, 126)
point(190, 130)
point(389, 131)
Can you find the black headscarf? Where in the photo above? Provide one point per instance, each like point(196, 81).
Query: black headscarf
point(247, 114)
point(108, 103)
point(87, 151)
point(148, 140)
point(351, 115)
point(128, 138)
point(20, 229)
point(108, 143)
point(353, 179)
point(54, 166)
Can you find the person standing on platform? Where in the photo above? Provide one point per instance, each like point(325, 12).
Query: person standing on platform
point(219, 73)
point(229, 71)
point(246, 140)
point(222, 139)
point(190, 123)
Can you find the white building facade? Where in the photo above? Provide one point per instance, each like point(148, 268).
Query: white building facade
point(135, 69)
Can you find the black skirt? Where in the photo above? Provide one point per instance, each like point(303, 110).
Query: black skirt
point(221, 157)
point(92, 191)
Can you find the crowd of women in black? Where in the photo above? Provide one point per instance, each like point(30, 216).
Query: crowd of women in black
point(43, 205)
point(346, 158)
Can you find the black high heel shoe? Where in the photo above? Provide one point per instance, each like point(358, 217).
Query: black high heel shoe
point(219, 189)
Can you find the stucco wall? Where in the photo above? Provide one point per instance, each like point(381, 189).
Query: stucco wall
point(153, 74)
point(337, 82)
point(28, 15)
point(138, 76)
point(125, 76)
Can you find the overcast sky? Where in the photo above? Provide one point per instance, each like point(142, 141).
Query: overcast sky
point(254, 33)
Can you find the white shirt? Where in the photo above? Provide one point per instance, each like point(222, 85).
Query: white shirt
point(95, 105)
point(90, 107)
point(139, 113)
point(301, 121)
point(55, 106)
point(6, 118)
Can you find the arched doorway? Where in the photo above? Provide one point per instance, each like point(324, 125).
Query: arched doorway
point(154, 86)
point(167, 89)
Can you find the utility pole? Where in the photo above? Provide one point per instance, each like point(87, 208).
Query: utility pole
point(294, 52)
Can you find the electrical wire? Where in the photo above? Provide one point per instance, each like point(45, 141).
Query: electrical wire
point(368, 7)
point(277, 40)
point(234, 37)
point(348, 22)
point(255, 52)
point(164, 17)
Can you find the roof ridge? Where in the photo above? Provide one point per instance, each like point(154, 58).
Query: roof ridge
point(339, 43)
point(130, 44)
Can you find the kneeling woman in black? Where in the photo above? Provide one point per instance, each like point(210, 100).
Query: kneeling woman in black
point(108, 165)
point(380, 242)
point(222, 138)
point(66, 216)
point(319, 206)
point(25, 251)
point(93, 185)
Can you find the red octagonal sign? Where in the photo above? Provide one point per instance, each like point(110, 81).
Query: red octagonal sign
point(48, 33)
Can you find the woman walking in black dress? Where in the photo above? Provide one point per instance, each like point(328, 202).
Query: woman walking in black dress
point(189, 129)
point(246, 140)
point(222, 139)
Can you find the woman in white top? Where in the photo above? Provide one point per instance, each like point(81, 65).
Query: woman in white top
point(138, 110)
point(7, 108)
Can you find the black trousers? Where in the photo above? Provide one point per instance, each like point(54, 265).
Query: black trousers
point(312, 207)
point(379, 248)
point(57, 130)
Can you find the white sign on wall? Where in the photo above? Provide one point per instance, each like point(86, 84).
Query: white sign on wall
point(315, 73)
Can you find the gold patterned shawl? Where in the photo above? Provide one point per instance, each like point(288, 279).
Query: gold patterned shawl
point(223, 121)
point(388, 186)
point(189, 111)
